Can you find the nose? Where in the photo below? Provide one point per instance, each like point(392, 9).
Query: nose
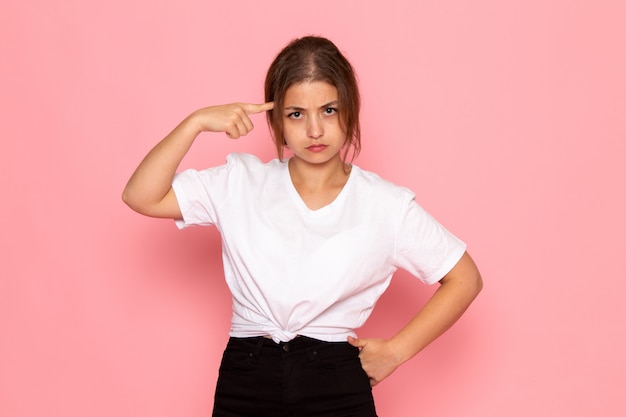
point(314, 128)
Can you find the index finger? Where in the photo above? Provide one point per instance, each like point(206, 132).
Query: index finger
point(258, 108)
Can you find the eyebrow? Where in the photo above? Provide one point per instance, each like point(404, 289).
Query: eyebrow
point(323, 106)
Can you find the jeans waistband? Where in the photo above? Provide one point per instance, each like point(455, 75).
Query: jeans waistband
point(300, 343)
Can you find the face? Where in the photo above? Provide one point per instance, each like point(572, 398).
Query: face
point(311, 123)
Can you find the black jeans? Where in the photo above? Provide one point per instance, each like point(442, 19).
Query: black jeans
point(301, 378)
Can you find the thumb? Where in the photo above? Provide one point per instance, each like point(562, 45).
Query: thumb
point(356, 342)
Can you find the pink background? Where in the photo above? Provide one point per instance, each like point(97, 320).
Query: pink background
point(506, 117)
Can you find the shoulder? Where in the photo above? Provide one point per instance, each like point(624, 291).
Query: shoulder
point(238, 166)
point(243, 160)
point(250, 162)
point(248, 170)
point(372, 184)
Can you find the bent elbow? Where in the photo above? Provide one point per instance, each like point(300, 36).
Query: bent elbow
point(127, 197)
point(478, 283)
point(130, 199)
point(148, 204)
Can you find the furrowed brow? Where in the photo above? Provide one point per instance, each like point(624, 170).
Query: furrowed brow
point(334, 103)
point(294, 108)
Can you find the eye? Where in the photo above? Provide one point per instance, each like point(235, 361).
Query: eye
point(330, 110)
point(294, 115)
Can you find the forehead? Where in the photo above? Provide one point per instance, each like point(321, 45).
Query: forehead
point(310, 94)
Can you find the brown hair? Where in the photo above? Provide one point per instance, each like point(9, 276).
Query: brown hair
point(313, 58)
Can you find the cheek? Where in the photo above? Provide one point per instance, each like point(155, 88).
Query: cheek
point(290, 131)
point(342, 125)
point(339, 129)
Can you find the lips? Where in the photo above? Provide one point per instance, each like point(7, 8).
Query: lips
point(317, 148)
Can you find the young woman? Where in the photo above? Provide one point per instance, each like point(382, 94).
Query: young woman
point(310, 243)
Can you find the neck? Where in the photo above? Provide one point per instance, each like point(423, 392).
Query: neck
point(318, 176)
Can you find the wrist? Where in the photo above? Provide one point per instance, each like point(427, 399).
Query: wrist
point(401, 350)
point(193, 123)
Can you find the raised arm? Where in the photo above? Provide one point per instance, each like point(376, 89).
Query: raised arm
point(458, 289)
point(149, 189)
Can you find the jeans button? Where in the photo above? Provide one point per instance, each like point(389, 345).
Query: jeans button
point(286, 347)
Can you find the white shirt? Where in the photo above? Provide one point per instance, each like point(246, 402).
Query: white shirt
point(317, 273)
